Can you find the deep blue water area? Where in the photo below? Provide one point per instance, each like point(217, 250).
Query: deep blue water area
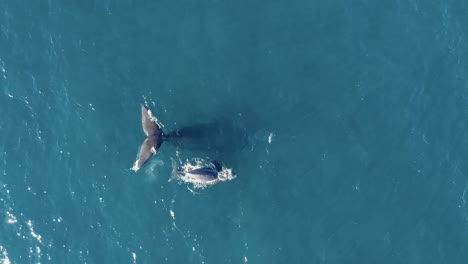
point(345, 123)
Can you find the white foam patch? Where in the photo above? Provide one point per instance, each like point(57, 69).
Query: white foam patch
point(11, 218)
point(135, 166)
point(4, 259)
point(33, 234)
point(134, 257)
point(172, 214)
point(270, 138)
point(226, 174)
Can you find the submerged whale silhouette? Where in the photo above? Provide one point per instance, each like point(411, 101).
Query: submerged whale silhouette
point(216, 138)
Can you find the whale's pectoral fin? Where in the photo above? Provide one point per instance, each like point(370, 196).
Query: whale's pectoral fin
point(150, 127)
point(147, 150)
point(216, 164)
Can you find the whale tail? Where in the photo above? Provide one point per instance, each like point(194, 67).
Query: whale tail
point(153, 141)
point(175, 170)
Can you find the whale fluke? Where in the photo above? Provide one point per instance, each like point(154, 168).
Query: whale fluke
point(153, 139)
point(150, 126)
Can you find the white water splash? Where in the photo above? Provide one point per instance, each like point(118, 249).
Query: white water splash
point(134, 257)
point(270, 138)
point(260, 137)
point(172, 214)
point(11, 218)
point(33, 234)
point(4, 259)
point(135, 166)
point(246, 250)
point(182, 176)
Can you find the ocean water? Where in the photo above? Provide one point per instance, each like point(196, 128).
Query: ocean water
point(345, 123)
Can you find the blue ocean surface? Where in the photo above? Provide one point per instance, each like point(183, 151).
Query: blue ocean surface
point(344, 124)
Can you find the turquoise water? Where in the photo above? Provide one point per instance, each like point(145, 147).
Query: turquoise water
point(346, 129)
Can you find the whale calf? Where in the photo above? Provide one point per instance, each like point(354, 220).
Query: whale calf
point(153, 140)
point(202, 175)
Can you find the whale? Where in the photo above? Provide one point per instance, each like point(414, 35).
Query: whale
point(202, 175)
point(153, 140)
point(206, 174)
point(214, 138)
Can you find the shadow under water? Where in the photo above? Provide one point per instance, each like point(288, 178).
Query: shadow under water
point(218, 139)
